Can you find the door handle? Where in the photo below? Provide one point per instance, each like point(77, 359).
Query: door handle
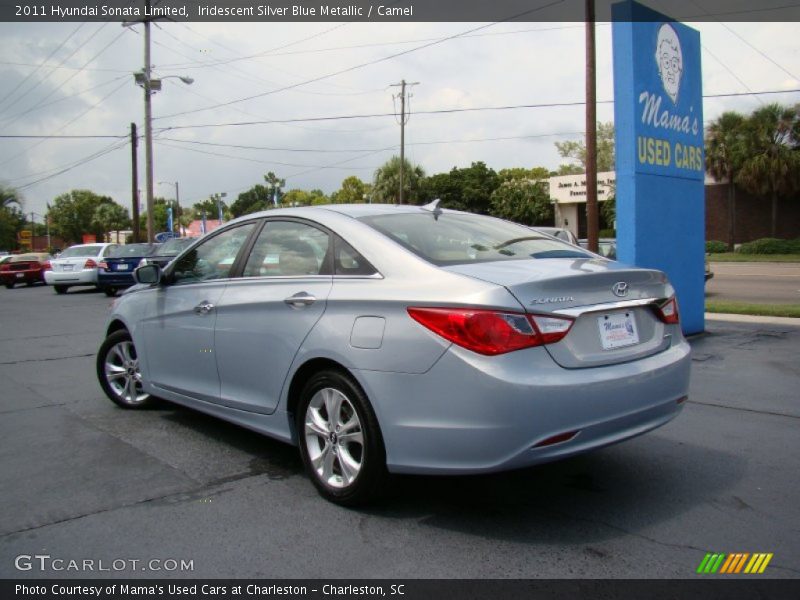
point(204, 308)
point(300, 299)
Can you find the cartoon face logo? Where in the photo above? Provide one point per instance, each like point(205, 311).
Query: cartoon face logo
point(669, 59)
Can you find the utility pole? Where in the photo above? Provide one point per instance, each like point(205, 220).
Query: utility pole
point(32, 236)
point(148, 131)
point(135, 182)
point(178, 206)
point(403, 120)
point(592, 216)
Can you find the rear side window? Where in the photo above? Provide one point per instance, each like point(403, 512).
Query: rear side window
point(456, 238)
point(348, 261)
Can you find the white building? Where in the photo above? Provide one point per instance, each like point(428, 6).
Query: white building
point(568, 194)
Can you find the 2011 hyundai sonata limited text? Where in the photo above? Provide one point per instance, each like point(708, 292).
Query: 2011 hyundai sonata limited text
point(401, 339)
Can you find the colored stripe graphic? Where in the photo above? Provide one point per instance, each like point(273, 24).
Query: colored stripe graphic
point(728, 564)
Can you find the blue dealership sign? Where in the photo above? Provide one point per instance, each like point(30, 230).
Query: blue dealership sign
point(658, 113)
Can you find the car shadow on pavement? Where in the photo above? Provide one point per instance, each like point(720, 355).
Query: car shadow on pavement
point(638, 483)
point(600, 495)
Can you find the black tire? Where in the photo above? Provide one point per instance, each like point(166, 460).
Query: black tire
point(60, 289)
point(110, 291)
point(117, 355)
point(10, 286)
point(370, 477)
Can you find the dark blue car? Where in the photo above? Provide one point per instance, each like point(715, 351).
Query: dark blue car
point(116, 271)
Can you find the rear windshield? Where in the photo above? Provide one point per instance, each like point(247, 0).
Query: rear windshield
point(28, 258)
point(455, 239)
point(90, 250)
point(174, 247)
point(132, 250)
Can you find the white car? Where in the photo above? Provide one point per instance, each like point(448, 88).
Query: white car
point(77, 265)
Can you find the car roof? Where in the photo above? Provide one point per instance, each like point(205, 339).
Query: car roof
point(351, 210)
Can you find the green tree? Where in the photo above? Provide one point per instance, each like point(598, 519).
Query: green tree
point(535, 174)
point(523, 201)
point(211, 207)
point(160, 217)
point(111, 217)
point(72, 214)
point(386, 186)
point(467, 189)
point(569, 169)
point(11, 223)
point(576, 150)
point(353, 191)
point(725, 147)
point(275, 186)
point(772, 149)
point(253, 200)
point(10, 197)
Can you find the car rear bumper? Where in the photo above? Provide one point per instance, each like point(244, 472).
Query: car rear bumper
point(83, 277)
point(115, 280)
point(20, 277)
point(473, 414)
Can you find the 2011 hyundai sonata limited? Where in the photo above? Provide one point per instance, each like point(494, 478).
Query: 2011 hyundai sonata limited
point(397, 339)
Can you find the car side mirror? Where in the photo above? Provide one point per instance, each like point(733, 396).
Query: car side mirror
point(148, 274)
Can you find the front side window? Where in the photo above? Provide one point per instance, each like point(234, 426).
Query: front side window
point(288, 249)
point(213, 259)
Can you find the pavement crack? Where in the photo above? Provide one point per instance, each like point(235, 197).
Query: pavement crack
point(28, 408)
point(35, 360)
point(750, 410)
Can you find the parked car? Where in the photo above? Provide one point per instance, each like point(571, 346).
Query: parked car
point(116, 271)
point(24, 268)
point(560, 233)
point(607, 247)
point(77, 265)
point(167, 251)
point(401, 339)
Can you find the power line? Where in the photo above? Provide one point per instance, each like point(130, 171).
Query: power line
point(39, 66)
point(440, 111)
point(253, 160)
point(41, 106)
point(362, 65)
point(67, 124)
point(198, 65)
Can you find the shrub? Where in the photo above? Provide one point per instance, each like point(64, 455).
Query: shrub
point(770, 246)
point(607, 233)
point(716, 247)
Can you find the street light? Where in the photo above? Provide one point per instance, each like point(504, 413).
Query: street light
point(150, 85)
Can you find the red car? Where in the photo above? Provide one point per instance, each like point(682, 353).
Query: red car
point(24, 268)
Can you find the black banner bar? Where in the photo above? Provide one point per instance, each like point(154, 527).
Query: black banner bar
point(729, 588)
point(398, 11)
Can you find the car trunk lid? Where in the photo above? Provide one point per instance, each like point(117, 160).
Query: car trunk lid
point(609, 327)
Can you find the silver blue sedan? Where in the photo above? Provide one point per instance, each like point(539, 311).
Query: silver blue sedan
point(396, 339)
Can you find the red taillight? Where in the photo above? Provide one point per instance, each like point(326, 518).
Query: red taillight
point(668, 312)
point(89, 264)
point(491, 332)
point(46, 266)
point(5, 267)
point(103, 265)
point(557, 439)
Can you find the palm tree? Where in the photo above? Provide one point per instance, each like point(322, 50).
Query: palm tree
point(725, 139)
point(772, 167)
point(387, 181)
point(9, 196)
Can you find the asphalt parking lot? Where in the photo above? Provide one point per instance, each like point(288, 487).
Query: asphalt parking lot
point(82, 479)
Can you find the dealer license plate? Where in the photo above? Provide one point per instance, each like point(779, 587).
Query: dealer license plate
point(617, 330)
point(20, 275)
point(66, 268)
point(122, 267)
